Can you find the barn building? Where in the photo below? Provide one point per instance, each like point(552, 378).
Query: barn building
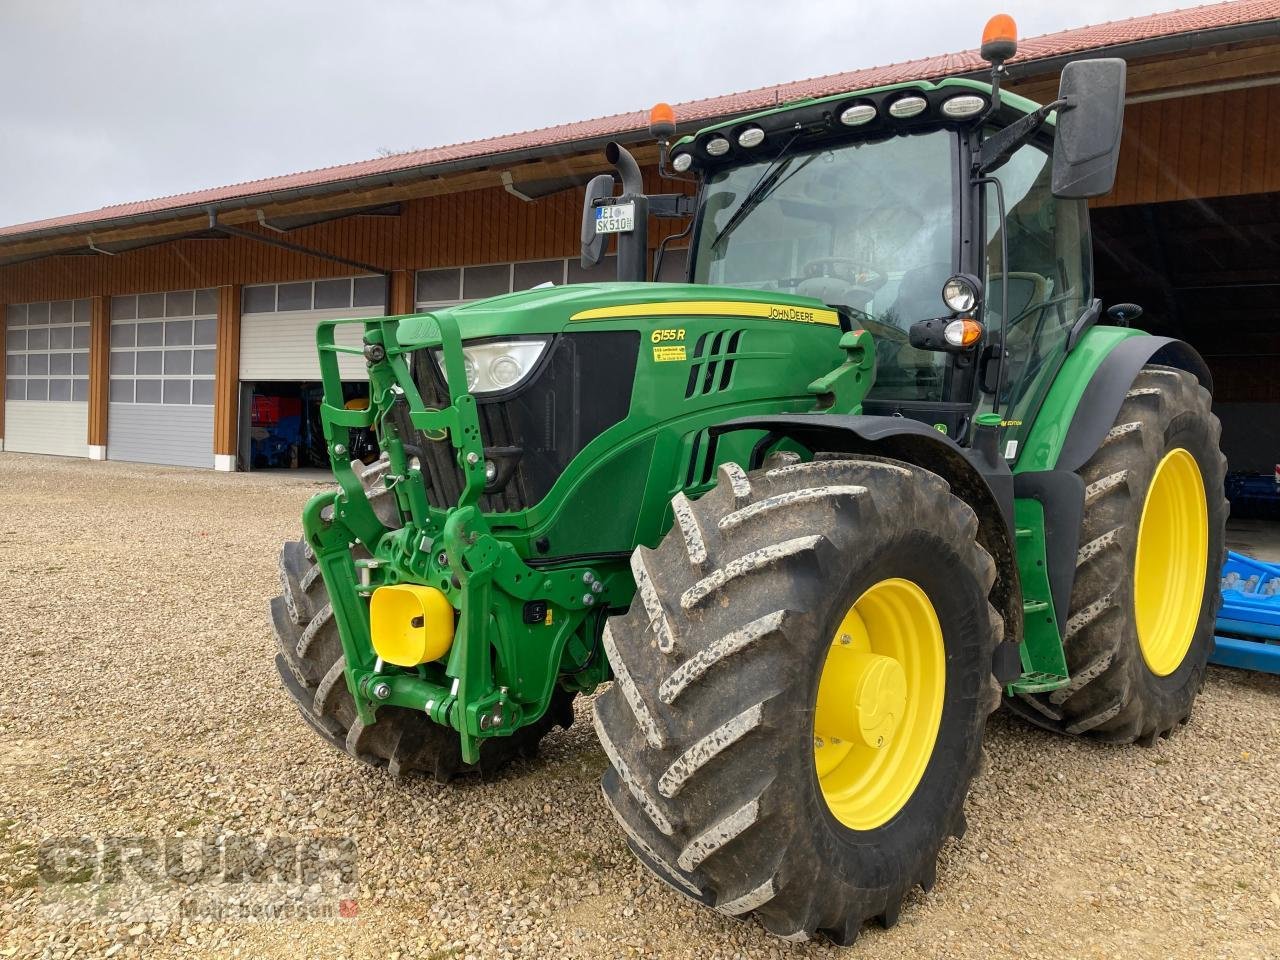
point(181, 330)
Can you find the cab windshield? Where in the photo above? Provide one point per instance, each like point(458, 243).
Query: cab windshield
point(867, 226)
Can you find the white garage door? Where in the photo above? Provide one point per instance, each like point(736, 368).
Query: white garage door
point(278, 326)
point(47, 378)
point(163, 348)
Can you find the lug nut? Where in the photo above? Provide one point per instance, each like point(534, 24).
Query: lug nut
point(382, 690)
point(597, 587)
point(339, 449)
point(588, 576)
point(588, 599)
point(473, 458)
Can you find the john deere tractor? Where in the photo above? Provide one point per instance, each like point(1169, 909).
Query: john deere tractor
point(882, 463)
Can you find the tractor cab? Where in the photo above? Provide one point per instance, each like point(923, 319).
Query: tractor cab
point(948, 219)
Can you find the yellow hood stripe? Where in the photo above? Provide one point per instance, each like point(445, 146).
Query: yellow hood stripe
point(713, 308)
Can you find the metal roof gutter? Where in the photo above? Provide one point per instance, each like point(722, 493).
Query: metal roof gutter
point(1173, 43)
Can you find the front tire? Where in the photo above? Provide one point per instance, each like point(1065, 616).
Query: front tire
point(724, 689)
point(1139, 630)
point(311, 666)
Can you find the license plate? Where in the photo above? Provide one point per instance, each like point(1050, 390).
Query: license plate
point(616, 218)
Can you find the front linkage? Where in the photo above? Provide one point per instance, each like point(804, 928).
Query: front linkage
point(520, 630)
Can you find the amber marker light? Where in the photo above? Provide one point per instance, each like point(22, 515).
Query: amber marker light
point(999, 38)
point(662, 121)
point(963, 333)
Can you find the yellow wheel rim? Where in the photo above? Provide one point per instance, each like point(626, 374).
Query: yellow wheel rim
point(879, 704)
point(1170, 563)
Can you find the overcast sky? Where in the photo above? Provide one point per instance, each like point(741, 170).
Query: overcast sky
point(106, 101)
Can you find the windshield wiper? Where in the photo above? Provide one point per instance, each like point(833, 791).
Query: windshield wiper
point(753, 197)
point(769, 180)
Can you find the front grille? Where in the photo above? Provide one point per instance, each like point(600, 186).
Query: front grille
point(581, 388)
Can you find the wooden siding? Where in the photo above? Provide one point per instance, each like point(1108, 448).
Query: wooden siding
point(99, 365)
point(3, 370)
point(226, 384)
point(400, 296)
point(1232, 63)
point(463, 229)
point(1211, 145)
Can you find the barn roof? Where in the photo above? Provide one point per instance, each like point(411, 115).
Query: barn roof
point(1199, 26)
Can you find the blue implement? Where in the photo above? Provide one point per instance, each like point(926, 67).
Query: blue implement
point(1248, 624)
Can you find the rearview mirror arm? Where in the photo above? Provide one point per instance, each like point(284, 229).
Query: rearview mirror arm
point(672, 206)
point(998, 148)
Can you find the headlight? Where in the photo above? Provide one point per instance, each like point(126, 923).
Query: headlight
point(681, 162)
point(752, 136)
point(858, 114)
point(716, 146)
point(962, 106)
point(495, 365)
point(960, 294)
point(908, 107)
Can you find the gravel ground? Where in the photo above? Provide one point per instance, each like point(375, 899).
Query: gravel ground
point(139, 699)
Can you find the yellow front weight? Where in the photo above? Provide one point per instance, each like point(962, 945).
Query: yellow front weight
point(410, 624)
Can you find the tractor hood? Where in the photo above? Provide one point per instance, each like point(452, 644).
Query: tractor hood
point(555, 309)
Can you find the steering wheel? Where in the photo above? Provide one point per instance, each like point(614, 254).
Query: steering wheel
point(861, 275)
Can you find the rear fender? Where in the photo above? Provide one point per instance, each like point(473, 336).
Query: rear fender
point(1059, 488)
point(913, 442)
point(1098, 407)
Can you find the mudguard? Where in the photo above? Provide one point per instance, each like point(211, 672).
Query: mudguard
point(1111, 381)
point(913, 442)
point(1060, 490)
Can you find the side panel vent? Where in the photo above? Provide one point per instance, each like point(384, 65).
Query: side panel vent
point(711, 369)
point(702, 460)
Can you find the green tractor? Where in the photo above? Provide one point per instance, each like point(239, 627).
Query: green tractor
point(882, 464)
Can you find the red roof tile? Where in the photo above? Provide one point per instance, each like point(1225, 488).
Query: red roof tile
point(1078, 40)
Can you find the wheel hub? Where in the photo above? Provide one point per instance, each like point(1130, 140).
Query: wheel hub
point(862, 697)
point(882, 697)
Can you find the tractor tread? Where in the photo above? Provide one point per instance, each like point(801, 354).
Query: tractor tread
point(1111, 695)
point(708, 656)
point(404, 742)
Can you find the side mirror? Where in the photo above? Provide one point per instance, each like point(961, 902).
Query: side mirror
point(593, 244)
point(1087, 145)
point(1123, 314)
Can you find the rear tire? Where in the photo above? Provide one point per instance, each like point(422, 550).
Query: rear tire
point(311, 665)
point(709, 726)
point(1114, 694)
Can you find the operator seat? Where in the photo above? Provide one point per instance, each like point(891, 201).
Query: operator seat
point(920, 294)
